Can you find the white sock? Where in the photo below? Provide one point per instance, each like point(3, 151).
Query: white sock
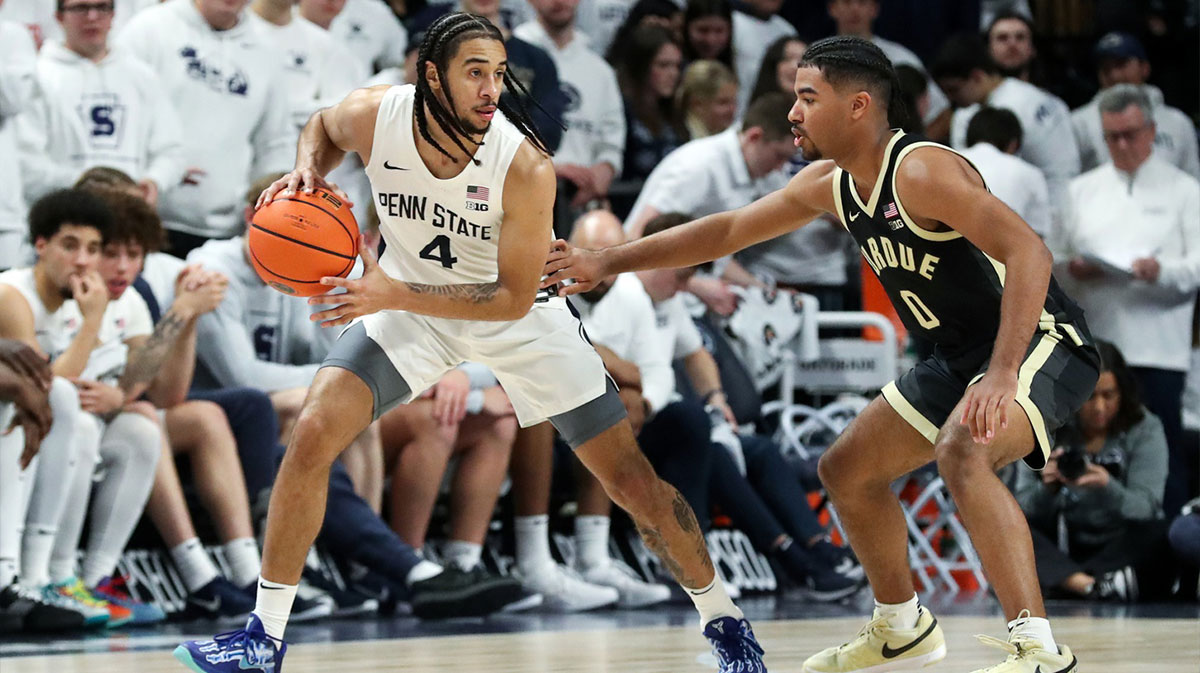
point(462, 554)
point(422, 571)
point(244, 563)
point(713, 602)
point(273, 605)
point(96, 566)
point(1034, 628)
point(901, 616)
point(591, 541)
point(36, 547)
point(194, 565)
point(533, 541)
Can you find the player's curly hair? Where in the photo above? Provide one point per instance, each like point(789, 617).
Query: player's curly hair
point(852, 60)
point(439, 46)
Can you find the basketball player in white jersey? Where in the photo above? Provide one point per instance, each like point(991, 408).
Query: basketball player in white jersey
point(464, 189)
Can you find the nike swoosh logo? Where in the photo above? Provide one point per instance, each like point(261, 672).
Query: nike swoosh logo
point(391, 167)
point(211, 606)
point(853, 216)
point(889, 653)
point(1069, 667)
point(263, 586)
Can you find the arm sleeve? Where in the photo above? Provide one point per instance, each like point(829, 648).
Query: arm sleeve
point(165, 163)
point(18, 65)
point(1050, 145)
point(610, 132)
point(674, 187)
point(226, 350)
point(1139, 496)
point(1184, 274)
point(274, 137)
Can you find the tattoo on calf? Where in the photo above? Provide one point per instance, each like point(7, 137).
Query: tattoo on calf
point(686, 519)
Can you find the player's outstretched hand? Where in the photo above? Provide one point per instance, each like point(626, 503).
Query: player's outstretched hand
point(985, 406)
point(566, 262)
point(306, 179)
point(363, 296)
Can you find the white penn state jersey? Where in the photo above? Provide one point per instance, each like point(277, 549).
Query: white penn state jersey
point(440, 232)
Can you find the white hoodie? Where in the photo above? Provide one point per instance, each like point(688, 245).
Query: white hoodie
point(1174, 138)
point(112, 113)
point(17, 84)
point(227, 87)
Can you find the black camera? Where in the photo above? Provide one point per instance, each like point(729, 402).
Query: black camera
point(1073, 462)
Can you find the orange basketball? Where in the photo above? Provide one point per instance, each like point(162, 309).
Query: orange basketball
point(298, 239)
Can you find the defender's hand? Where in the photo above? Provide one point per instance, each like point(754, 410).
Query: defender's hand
point(363, 296)
point(585, 267)
point(305, 179)
point(450, 397)
point(986, 405)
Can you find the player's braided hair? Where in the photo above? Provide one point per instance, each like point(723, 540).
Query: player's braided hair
point(440, 43)
point(844, 59)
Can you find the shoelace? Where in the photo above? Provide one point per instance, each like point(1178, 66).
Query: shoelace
point(736, 649)
point(1016, 648)
point(254, 653)
point(866, 630)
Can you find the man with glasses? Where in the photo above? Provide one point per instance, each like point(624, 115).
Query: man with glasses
point(97, 107)
point(1131, 250)
point(1121, 59)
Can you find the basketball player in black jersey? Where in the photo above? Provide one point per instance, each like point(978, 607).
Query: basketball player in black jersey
point(1012, 360)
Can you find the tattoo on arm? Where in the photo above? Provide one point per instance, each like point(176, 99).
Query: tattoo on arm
point(476, 293)
point(144, 363)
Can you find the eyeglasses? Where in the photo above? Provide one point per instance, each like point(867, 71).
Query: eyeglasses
point(1128, 136)
point(84, 8)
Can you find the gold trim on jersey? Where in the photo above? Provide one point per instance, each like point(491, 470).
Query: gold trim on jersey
point(837, 196)
point(908, 221)
point(869, 207)
point(1036, 360)
point(909, 413)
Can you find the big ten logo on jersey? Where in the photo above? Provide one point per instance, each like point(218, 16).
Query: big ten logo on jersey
point(198, 68)
point(103, 116)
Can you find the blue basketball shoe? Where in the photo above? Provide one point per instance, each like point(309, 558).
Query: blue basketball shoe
point(734, 646)
point(249, 649)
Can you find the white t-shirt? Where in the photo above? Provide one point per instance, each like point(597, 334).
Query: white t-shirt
point(595, 114)
point(1150, 214)
point(371, 32)
point(677, 328)
point(18, 59)
point(124, 318)
point(228, 90)
point(624, 321)
point(113, 113)
point(318, 70)
point(702, 177)
point(1020, 185)
point(752, 37)
point(1049, 140)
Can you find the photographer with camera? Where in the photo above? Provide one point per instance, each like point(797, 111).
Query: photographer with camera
point(1096, 511)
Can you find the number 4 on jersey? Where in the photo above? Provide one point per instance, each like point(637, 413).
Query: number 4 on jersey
point(438, 250)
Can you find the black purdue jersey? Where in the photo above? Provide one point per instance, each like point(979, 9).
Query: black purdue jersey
point(943, 287)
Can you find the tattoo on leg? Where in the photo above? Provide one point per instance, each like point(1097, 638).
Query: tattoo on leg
point(684, 515)
point(686, 520)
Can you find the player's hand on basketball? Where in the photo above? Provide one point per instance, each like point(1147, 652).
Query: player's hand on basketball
point(985, 408)
point(450, 397)
point(90, 292)
point(99, 398)
point(566, 262)
point(363, 296)
point(300, 179)
point(496, 402)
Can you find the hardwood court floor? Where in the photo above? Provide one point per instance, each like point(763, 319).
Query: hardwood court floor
point(1104, 645)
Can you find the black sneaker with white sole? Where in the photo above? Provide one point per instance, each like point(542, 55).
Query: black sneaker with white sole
point(220, 600)
point(346, 601)
point(454, 593)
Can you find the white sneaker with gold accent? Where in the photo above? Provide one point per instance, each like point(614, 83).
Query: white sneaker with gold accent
point(880, 649)
point(1030, 656)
